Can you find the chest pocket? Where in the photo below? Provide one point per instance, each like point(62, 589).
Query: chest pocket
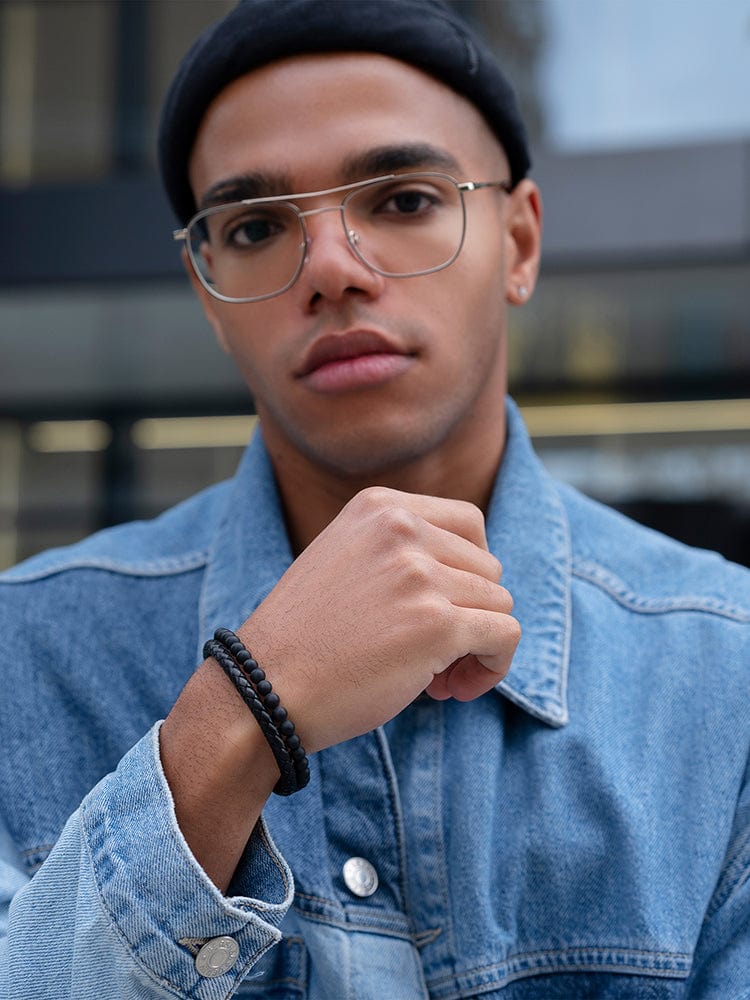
point(591, 986)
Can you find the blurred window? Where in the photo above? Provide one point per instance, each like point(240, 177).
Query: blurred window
point(639, 73)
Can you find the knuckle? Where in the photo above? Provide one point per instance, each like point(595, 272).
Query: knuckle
point(513, 630)
point(471, 510)
point(373, 498)
point(384, 508)
point(435, 615)
point(417, 571)
point(399, 523)
point(376, 495)
point(367, 503)
point(473, 515)
point(505, 599)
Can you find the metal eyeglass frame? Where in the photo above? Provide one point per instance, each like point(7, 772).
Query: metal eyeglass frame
point(352, 237)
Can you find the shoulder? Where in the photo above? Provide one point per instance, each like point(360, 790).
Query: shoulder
point(177, 541)
point(647, 571)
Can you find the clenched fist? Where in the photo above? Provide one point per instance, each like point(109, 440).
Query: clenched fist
point(398, 595)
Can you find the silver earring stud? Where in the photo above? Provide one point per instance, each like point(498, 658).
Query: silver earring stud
point(522, 291)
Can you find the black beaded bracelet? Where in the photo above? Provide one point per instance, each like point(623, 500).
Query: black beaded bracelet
point(256, 691)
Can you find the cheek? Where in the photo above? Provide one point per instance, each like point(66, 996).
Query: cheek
point(472, 303)
point(250, 352)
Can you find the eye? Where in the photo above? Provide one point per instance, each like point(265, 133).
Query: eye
point(252, 230)
point(408, 202)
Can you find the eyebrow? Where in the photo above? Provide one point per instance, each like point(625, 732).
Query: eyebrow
point(256, 184)
point(388, 159)
point(359, 166)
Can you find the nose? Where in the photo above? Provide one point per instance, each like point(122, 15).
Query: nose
point(332, 270)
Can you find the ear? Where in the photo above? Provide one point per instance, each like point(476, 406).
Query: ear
point(524, 236)
point(207, 301)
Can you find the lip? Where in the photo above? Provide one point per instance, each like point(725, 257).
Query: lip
point(353, 360)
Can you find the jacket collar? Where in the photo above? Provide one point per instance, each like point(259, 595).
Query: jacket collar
point(526, 528)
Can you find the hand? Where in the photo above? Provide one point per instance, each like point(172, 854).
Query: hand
point(398, 595)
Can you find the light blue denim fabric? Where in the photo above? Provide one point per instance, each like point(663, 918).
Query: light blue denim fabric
point(584, 832)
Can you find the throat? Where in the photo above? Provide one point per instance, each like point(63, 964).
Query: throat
point(313, 495)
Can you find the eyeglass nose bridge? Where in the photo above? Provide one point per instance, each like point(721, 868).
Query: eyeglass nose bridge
point(352, 236)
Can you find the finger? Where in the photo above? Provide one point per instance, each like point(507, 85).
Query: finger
point(464, 680)
point(492, 639)
point(455, 552)
point(469, 591)
point(457, 516)
point(438, 687)
point(470, 678)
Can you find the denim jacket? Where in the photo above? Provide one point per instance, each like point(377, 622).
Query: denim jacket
point(584, 831)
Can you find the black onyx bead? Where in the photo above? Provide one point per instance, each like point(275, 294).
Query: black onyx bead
point(278, 714)
point(292, 741)
point(272, 701)
point(264, 688)
point(298, 754)
point(243, 657)
point(286, 728)
point(236, 647)
point(257, 675)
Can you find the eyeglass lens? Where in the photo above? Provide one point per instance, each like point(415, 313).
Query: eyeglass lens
point(399, 227)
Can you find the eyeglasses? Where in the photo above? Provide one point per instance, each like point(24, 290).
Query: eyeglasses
point(400, 226)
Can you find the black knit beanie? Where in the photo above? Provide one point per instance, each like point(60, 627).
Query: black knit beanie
point(425, 33)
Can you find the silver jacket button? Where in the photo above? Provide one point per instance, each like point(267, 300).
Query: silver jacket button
point(217, 956)
point(360, 877)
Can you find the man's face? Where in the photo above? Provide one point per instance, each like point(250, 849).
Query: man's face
point(351, 371)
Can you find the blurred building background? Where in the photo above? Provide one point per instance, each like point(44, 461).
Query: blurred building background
point(632, 362)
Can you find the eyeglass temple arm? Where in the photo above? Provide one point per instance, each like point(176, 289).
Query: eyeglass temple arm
point(475, 185)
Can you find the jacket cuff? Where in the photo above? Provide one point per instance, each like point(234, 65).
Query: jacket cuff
point(163, 905)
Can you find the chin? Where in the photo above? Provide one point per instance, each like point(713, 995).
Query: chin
point(370, 457)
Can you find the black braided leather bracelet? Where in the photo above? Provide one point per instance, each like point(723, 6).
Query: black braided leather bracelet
point(263, 689)
point(250, 681)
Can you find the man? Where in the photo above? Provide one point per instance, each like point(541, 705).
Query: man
point(357, 219)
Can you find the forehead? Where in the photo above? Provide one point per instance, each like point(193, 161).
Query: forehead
point(303, 118)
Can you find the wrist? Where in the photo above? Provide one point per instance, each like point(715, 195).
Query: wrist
point(256, 691)
point(219, 768)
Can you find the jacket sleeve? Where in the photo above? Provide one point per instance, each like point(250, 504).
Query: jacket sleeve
point(121, 909)
point(721, 965)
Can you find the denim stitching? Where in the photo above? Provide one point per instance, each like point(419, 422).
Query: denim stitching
point(114, 926)
point(394, 799)
point(319, 918)
point(539, 959)
point(580, 959)
point(169, 566)
point(599, 576)
point(133, 950)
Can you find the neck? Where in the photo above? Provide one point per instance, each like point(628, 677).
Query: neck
point(313, 495)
